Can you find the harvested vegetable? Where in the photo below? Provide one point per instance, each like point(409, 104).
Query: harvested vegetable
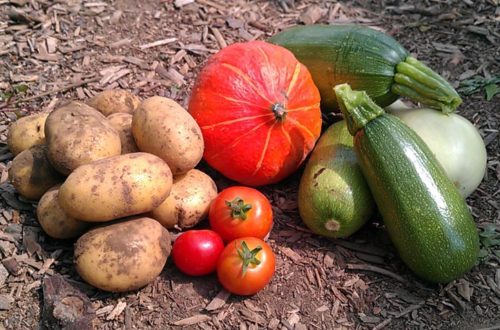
point(454, 141)
point(54, 221)
point(333, 198)
point(32, 174)
point(77, 134)
point(241, 212)
point(116, 187)
point(122, 122)
point(113, 101)
point(368, 60)
point(246, 266)
point(162, 127)
point(123, 256)
point(425, 216)
point(195, 252)
point(258, 110)
point(188, 202)
point(26, 132)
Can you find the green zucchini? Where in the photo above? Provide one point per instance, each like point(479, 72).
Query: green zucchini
point(368, 60)
point(334, 200)
point(426, 218)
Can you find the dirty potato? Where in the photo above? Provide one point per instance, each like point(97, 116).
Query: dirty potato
point(114, 101)
point(189, 201)
point(26, 132)
point(32, 174)
point(116, 187)
point(78, 134)
point(124, 256)
point(122, 122)
point(54, 221)
point(162, 127)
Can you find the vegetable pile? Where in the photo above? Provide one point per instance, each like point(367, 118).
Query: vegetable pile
point(117, 173)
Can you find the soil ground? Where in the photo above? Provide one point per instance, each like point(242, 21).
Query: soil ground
point(52, 51)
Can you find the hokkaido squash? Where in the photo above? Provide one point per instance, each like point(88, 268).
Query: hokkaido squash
point(258, 110)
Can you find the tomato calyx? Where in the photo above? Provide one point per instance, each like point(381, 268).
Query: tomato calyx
point(238, 208)
point(279, 111)
point(249, 257)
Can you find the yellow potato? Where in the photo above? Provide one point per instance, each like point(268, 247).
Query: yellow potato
point(114, 101)
point(124, 256)
point(54, 221)
point(189, 200)
point(26, 132)
point(162, 127)
point(32, 174)
point(116, 187)
point(78, 134)
point(122, 122)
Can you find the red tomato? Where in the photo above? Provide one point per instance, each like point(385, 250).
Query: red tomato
point(258, 110)
point(246, 266)
point(196, 252)
point(241, 211)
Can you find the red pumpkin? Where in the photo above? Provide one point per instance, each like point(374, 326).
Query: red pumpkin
point(258, 110)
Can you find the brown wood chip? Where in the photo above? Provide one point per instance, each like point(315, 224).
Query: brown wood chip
point(15, 78)
point(5, 302)
point(158, 43)
point(199, 318)
point(294, 256)
point(251, 316)
point(117, 310)
point(218, 301)
point(121, 43)
point(311, 15)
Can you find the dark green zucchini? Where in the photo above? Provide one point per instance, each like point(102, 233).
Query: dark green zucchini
point(368, 60)
point(426, 218)
point(334, 199)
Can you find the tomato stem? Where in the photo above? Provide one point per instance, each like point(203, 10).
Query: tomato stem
point(238, 208)
point(279, 111)
point(249, 257)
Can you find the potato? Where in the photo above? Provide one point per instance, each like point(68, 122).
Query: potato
point(122, 122)
point(162, 127)
point(114, 101)
point(32, 174)
point(54, 221)
point(189, 201)
point(116, 187)
point(78, 134)
point(123, 256)
point(26, 132)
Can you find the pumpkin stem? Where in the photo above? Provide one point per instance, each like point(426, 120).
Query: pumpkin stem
point(238, 208)
point(279, 111)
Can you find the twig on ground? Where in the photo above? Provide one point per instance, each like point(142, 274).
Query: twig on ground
point(376, 269)
point(60, 89)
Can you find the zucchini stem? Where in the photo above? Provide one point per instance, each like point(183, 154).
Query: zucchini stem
point(417, 81)
point(357, 107)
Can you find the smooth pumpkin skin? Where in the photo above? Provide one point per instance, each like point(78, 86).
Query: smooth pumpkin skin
point(233, 101)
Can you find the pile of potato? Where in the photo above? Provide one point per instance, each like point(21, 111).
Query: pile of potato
point(115, 172)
